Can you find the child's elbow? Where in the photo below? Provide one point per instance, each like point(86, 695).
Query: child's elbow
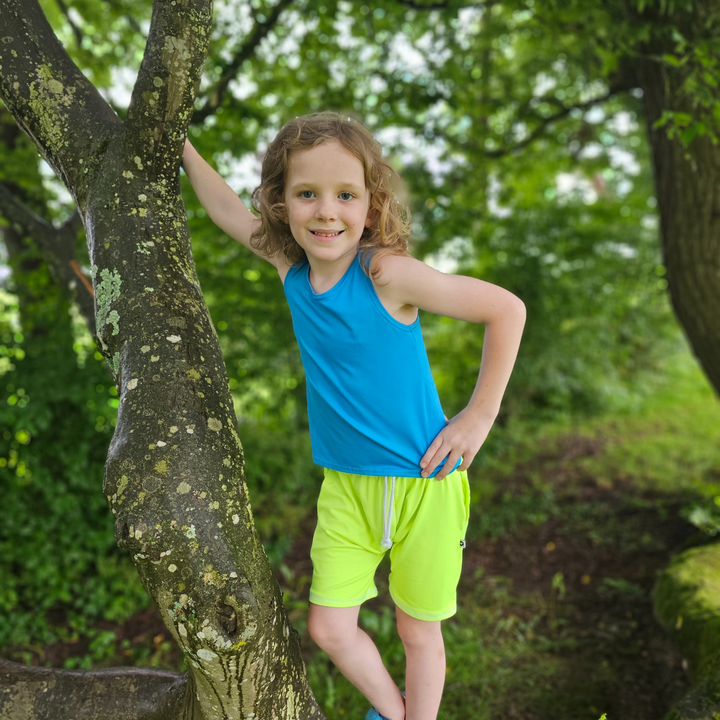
point(516, 309)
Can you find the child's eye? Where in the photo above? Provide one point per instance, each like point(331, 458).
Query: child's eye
point(304, 195)
point(347, 193)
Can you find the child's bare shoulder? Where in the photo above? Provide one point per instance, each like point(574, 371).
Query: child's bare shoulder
point(393, 268)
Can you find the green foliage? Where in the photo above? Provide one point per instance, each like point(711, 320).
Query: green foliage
point(282, 480)
point(621, 586)
point(474, 94)
point(681, 451)
point(558, 585)
point(510, 512)
point(705, 516)
point(598, 318)
point(58, 556)
point(101, 36)
point(681, 34)
point(697, 63)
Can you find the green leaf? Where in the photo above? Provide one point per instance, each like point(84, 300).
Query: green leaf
point(674, 60)
point(688, 134)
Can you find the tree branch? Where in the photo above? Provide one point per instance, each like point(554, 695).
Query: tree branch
point(133, 23)
point(155, 128)
point(540, 129)
point(443, 6)
point(76, 30)
point(51, 100)
point(229, 71)
point(112, 694)
point(58, 246)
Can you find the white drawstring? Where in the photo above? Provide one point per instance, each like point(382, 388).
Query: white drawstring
point(386, 542)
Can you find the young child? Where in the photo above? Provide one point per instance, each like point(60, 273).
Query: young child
point(332, 226)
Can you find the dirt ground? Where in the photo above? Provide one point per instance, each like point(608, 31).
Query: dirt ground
point(622, 662)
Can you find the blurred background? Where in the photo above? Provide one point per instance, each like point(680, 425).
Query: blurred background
point(520, 131)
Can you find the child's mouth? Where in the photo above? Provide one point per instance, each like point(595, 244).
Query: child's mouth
point(317, 233)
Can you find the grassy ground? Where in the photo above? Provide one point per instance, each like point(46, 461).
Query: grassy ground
point(569, 526)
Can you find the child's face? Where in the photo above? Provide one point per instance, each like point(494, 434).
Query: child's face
point(325, 192)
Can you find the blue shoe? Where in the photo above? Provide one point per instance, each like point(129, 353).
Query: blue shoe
point(373, 714)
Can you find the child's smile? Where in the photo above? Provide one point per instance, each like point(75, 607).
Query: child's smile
point(327, 204)
point(325, 233)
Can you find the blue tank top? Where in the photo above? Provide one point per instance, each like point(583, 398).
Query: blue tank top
point(373, 406)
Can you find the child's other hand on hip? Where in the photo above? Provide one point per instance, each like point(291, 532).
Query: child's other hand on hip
point(462, 437)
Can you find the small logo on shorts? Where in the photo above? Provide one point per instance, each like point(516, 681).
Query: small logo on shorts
point(462, 544)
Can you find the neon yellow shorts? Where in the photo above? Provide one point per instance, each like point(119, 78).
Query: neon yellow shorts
point(426, 527)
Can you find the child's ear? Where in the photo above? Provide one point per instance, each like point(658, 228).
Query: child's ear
point(371, 218)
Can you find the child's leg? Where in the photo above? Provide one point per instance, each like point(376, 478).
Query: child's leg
point(425, 673)
point(336, 631)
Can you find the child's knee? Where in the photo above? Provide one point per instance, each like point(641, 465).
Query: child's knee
point(332, 627)
point(419, 633)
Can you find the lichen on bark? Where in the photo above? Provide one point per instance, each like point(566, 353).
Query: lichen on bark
point(48, 97)
point(107, 291)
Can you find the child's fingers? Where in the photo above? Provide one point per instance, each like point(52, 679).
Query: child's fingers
point(467, 458)
point(433, 463)
point(453, 457)
point(445, 452)
point(428, 463)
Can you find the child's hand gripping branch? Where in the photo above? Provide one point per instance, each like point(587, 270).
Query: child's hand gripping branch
point(405, 280)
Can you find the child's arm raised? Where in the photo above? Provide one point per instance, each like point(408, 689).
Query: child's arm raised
point(406, 281)
point(221, 202)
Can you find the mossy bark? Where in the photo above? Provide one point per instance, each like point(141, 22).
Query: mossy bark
point(687, 604)
point(174, 477)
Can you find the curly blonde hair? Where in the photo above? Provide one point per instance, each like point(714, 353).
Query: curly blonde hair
point(390, 229)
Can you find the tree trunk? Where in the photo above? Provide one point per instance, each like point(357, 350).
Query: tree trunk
point(687, 183)
point(174, 476)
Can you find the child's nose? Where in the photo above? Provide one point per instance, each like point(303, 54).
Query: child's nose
point(325, 210)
